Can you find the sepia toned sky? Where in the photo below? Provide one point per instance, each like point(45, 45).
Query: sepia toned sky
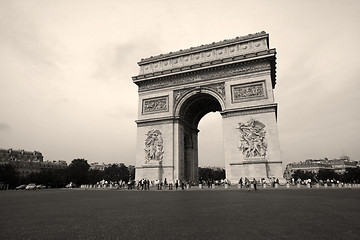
point(66, 68)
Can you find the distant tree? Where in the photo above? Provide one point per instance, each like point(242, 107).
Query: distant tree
point(219, 174)
point(303, 175)
point(325, 174)
point(205, 174)
point(131, 169)
point(211, 174)
point(54, 178)
point(117, 173)
point(351, 175)
point(78, 171)
point(8, 175)
point(96, 176)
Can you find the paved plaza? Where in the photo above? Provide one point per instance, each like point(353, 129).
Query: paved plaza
point(195, 214)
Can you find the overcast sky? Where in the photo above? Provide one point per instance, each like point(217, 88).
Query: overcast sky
point(66, 68)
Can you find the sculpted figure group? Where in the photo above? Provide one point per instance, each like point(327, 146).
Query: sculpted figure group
point(252, 139)
point(154, 148)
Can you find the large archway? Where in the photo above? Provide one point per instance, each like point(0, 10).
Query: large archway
point(210, 141)
point(190, 110)
point(234, 77)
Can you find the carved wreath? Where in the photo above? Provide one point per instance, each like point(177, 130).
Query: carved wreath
point(154, 146)
point(252, 139)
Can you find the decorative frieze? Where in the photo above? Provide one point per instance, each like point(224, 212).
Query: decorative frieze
point(204, 75)
point(248, 91)
point(155, 105)
point(209, 52)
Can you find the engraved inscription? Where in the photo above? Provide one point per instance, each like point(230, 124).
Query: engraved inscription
point(153, 105)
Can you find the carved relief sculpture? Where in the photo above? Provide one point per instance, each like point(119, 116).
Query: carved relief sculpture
point(252, 139)
point(154, 146)
point(219, 88)
point(159, 104)
point(248, 92)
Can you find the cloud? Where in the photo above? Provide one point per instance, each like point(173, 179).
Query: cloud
point(4, 127)
point(23, 38)
point(115, 60)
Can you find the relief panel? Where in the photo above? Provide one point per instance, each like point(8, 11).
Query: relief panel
point(154, 146)
point(248, 92)
point(252, 139)
point(155, 105)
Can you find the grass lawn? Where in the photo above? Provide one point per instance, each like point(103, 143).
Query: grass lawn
point(206, 214)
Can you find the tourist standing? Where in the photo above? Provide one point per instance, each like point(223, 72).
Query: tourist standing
point(247, 184)
point(254, 182)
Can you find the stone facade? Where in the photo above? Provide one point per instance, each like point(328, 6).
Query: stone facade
point(235, 77)
point(26, 162)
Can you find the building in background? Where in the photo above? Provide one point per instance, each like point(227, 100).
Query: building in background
point(311, 165)
point(99, 166)
point(26, 162)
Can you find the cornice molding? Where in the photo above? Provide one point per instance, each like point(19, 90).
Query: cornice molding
point(206, 64)
point(165, 120)
point(206, 74)
point(250, 110)
point(213, 45)
point(154, 121)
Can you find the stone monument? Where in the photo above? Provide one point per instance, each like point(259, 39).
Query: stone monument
point(235, 77)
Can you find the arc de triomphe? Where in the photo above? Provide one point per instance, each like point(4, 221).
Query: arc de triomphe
point(235, 77)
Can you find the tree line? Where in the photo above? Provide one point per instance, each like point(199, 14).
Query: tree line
point(77, 172)
point(351, 175)
point(214, 174)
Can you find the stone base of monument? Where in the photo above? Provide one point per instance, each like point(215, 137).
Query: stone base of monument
point(257, 167)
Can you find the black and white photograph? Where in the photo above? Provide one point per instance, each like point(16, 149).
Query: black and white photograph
point(161, 119)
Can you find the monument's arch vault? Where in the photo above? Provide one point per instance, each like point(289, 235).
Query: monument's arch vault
point(235, 77)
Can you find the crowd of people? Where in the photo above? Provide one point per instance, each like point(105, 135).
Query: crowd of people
point(146, 184)
point(143, 184)
point(247, 183)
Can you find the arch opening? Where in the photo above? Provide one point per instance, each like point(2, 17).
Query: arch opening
point(191, 111)
point(197, 106)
